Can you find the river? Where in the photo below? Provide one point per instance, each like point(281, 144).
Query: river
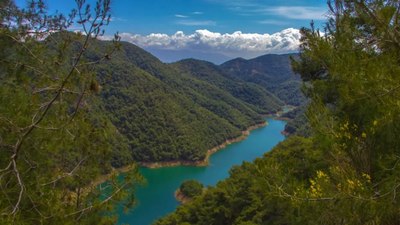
point(156, 198)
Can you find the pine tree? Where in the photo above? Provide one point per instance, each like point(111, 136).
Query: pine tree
point(53, 145)
point(353, 67)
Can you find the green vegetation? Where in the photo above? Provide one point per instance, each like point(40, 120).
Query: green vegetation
point(175, 111)
point(256, 97)
point(191, 188)
point(348, 171)
point(272, 72)
point(53, 141)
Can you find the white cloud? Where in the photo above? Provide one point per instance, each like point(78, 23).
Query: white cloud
point(236, 44)
point(180, 16)
point(298, 12)
point(197, 13)
point(196, 22)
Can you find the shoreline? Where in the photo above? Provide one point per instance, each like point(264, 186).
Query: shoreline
point(154, 165)
point(205, 161)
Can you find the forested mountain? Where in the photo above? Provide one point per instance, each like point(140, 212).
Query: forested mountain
point(347, 171)
point(273, 72)
point(257, 97)
point(176, 111)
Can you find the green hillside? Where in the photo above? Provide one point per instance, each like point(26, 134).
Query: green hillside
point(256, 97)
point(272, 72)
point(168, 112)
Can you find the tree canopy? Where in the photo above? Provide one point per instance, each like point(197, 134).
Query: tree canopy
point(191, 188)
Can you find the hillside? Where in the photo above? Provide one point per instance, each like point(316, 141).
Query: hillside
point(272, 72)
point(170, 112)
point(256, 96)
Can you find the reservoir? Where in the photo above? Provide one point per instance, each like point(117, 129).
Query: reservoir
point(156, 198)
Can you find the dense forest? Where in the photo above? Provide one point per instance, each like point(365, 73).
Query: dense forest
point(176, 111)
point(347, 170)
point(272, 72)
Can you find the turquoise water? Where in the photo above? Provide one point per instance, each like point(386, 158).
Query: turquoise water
point(156, 199)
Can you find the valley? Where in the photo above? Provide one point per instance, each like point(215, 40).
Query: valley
point(179, 111)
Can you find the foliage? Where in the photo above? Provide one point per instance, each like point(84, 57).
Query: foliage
point(354, 73)
point(53, 144)
point(191, 188)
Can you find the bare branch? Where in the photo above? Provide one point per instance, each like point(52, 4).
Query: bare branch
point(7, 168)
point(21, 186)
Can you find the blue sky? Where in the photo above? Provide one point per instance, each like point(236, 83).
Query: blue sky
point(224, 16)
point(196, 28)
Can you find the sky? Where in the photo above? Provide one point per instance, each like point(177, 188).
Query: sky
point(214, 30)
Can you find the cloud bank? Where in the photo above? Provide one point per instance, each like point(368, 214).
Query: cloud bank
point(232, 45)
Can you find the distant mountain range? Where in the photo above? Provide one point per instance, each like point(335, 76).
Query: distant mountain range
point(273, 72)
point(177, 111)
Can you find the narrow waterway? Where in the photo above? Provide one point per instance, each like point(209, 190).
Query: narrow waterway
point(156, 199)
